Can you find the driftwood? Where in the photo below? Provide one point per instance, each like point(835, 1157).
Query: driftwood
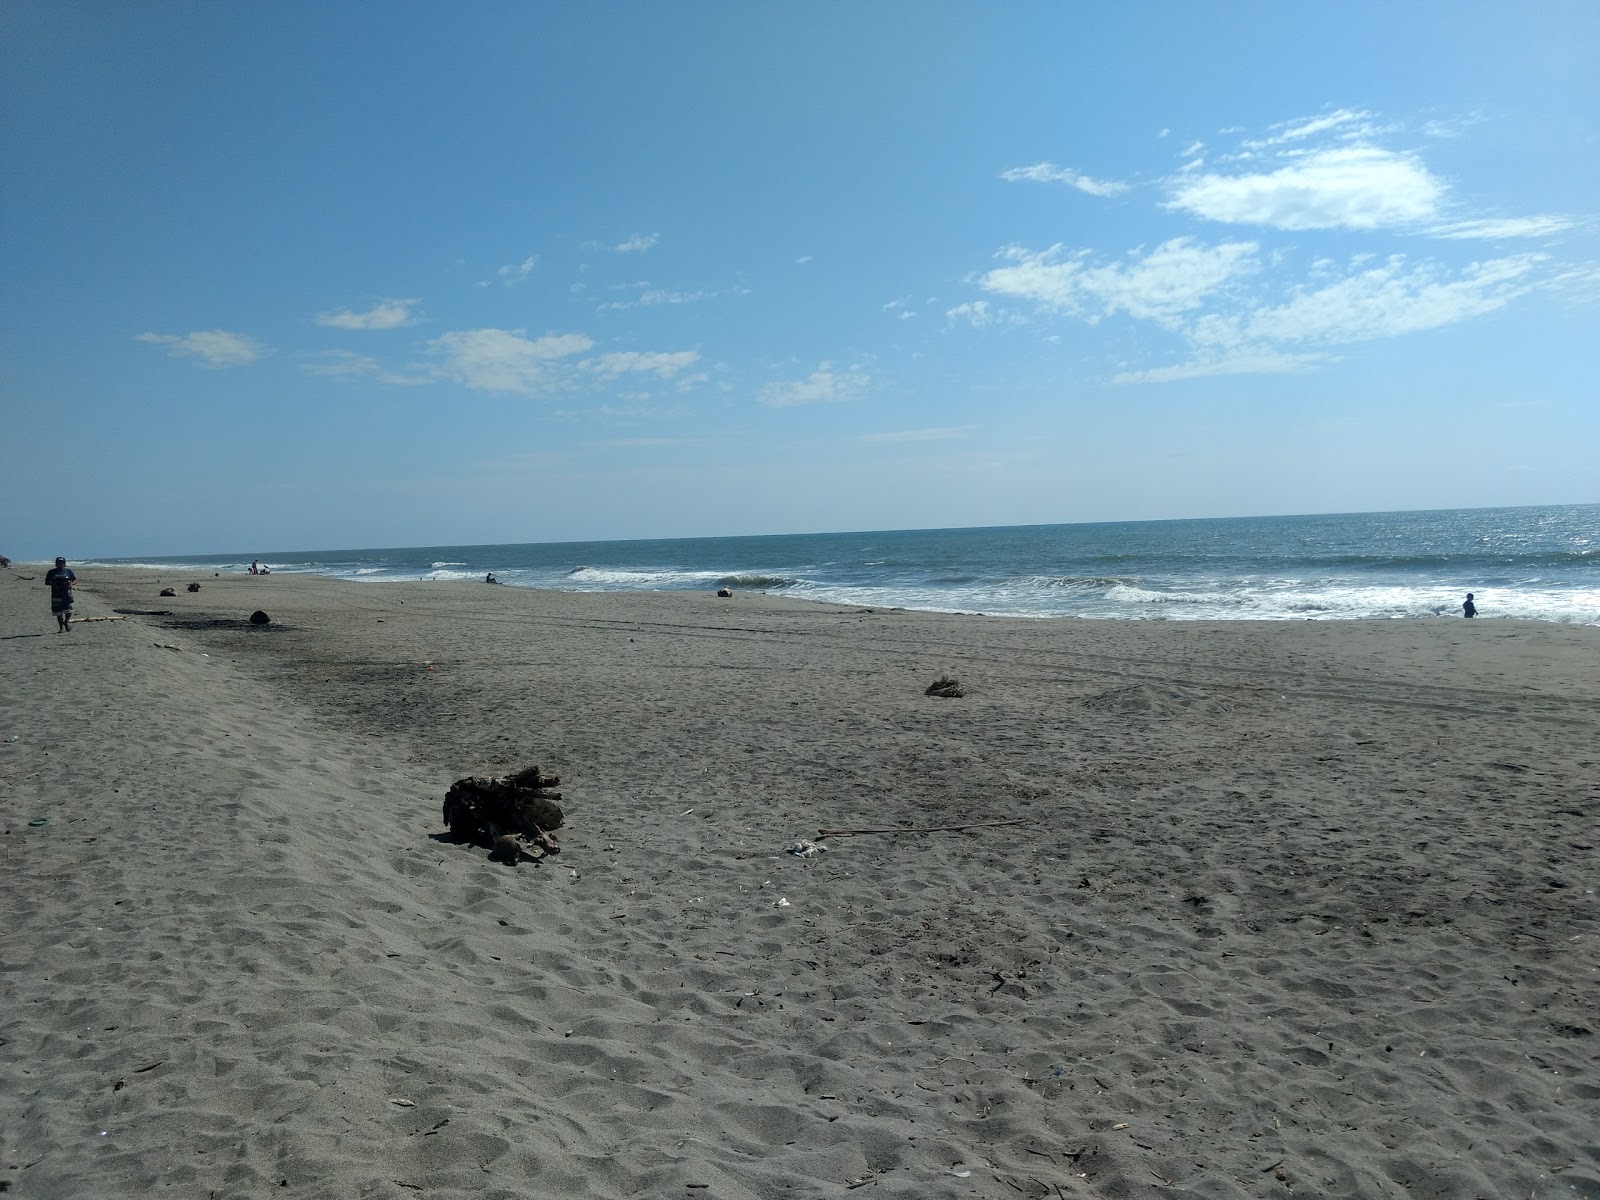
point(950, 689)
point(514, 818)
point(920, 829)
point(89, 620)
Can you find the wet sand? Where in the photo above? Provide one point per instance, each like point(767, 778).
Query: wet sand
point(1288, 908)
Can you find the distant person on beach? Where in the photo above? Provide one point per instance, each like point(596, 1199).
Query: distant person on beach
point(60, 580)
point(489, 578)
point(1468, 608)
point(255, 567)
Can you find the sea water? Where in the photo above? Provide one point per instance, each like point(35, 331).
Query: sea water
point(1529, 563)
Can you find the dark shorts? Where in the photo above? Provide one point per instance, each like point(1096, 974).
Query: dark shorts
point(58, 605)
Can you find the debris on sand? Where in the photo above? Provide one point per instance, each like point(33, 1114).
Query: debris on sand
point(513, 818)
point(806, 849)
point(168, 592)
point(194, 587)
point(950, 689)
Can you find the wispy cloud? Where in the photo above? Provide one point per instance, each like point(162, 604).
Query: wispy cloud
point(341, 364)
point(514, 272)
point(1497, 229)
point(1171, 280)
point(825, 385)
point(1386, 301)
point(663, 363)
point(1369, 304)
point(636, 244)
point(385, 314)
point(650, 297)
point(948, 433)
point(347, 366)
point(505, 360)
point(1252, 363)
point(211, 347)
point(1345, 123)
point(1048, 172)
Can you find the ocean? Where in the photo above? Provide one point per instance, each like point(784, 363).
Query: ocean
point(1524, 563)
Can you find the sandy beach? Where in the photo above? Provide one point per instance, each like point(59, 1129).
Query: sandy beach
point(1246, 909)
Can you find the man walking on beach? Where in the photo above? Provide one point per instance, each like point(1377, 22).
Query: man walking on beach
point(60, 580)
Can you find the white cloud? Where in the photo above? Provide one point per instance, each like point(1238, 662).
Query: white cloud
point(1347, 187)
point(506, 360)
point(212, 347)
point(975, 312)
point(515, 273)
point(1174, 278)
point(1048, 172)
point(1505, 227)
point(803, 259)
point(822, 386)
point(662, 363)
point(918, 435)
point(385, 314)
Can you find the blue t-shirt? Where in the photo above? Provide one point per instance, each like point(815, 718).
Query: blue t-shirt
point(60, 580)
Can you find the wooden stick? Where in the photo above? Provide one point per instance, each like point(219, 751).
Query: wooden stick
point(910, 829)
point(87, 620)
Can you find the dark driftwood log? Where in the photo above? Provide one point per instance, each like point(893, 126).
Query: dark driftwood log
point(485, 811)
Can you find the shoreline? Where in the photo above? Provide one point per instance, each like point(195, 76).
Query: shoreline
point(1445, 613)
point(1297, 897)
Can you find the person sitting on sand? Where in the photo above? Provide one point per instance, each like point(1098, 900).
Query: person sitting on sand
point(489, 578)
point(60, 580)
point(1468, 608)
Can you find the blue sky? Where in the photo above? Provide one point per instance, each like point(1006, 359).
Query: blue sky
point(301, 276)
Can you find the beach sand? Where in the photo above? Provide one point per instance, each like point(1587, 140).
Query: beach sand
point(1293, 909)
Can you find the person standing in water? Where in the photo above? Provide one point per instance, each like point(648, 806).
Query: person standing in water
point(1468, 608)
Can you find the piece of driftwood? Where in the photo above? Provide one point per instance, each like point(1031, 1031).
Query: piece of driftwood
point(950, 689)
point(88, 620)
point(514, 818)
point(919, 829)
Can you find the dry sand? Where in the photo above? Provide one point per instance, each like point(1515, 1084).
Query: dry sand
point(1298, 909)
